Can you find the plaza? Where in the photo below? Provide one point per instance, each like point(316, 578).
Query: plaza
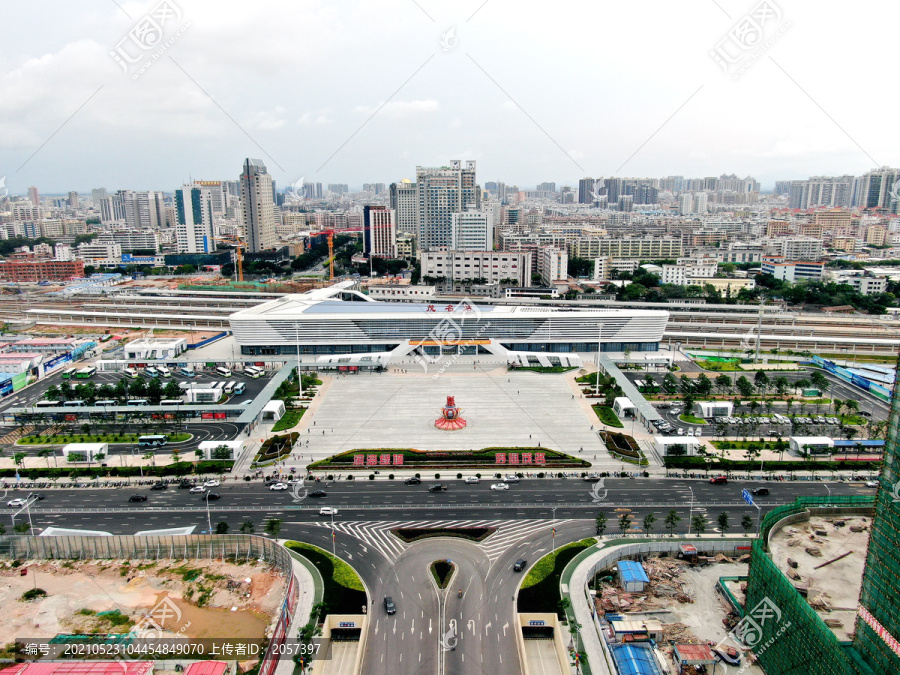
point(397, 409)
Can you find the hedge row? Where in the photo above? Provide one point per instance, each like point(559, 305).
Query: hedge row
point(699, 463)
point(177, 469)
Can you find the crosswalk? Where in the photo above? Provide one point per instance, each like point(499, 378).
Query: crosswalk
point(378, 536)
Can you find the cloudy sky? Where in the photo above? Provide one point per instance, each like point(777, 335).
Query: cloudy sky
point(363, 91)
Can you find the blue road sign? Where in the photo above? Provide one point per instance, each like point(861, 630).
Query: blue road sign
point(747, 497)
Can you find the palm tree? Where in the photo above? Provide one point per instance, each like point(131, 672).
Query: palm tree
point(46, 452)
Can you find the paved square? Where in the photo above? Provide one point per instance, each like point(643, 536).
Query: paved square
point(392, 410)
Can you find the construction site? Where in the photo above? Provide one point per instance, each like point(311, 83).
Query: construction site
point(685, 600)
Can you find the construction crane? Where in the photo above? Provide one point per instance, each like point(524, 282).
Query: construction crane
point(329, 236)
point(239, 245)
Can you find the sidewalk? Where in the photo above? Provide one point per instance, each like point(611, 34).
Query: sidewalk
point(311, 593)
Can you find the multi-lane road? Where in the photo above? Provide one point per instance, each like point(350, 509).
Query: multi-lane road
point(471, 633)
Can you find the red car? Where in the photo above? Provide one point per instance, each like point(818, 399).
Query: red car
point(719, 480)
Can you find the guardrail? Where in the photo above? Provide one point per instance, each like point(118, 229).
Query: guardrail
point(377, 507)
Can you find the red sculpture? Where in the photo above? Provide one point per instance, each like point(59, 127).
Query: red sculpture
point(450, 419)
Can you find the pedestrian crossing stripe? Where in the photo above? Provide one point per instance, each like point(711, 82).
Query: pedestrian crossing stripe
point(377, 534)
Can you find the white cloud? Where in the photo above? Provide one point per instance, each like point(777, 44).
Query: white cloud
point(401, 110)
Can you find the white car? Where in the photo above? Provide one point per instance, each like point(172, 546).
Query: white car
point(499, 486)
point(295, 481)
point(198, 489)
point(472, 480)
point(212, 483)
point(328, 511)
point(511, 478)
point(16, 503)
point(278, 486)
point(872, 483)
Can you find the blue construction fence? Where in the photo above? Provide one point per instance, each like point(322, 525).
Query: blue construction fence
point(209, 340)
point(851, 378)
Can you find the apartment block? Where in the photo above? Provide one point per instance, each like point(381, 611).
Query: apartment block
point(794, 270)
point(40, 270)
point(494, 266)
point(642, 249)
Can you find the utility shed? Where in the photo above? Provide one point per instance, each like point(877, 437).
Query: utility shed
point(632, 577)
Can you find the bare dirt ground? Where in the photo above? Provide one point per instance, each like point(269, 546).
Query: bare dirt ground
point(833, 590)
point(198, 599)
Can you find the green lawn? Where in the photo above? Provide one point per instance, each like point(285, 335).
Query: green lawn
point(690, 419)
point(719, 366)
point(607, 416)
point(539, 591)
point(344, 591)
point(289, 420)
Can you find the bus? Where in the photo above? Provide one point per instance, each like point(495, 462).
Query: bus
point(105, 402)
point(165, 372)
point(229, 388)
point(132, 373)
point(68, 373)
point(239, 388)
point(171, 401)
point(223, 372)
point(137, 401)
point(145, 441)
point(86, 372)
point(251, 371)
point(187, 372)
point(151, 371)
point(47, 404)
point(74, 404)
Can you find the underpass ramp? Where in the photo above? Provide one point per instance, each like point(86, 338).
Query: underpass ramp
point(343, 643)
point(542, 644)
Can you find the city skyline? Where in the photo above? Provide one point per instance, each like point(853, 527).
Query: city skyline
point(474, 81)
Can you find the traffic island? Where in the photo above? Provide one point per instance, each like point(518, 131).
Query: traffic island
point(413, 534)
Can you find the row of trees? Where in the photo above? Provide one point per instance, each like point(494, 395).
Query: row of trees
point(271, 527)
point(698, 523)
point(152, 389)
point(761, 385)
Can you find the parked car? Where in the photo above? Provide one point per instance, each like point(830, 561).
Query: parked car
point(389, 605)
point(520, 565)
point(211, 483)
point(592, 478)
point(328, 511)
point(137, 498)
point(185, 484)
point(499, 486)
point(412, 480)
point(318, 493)
point(159, 486)
point(759, 492)
point(719, 480)
point(198, 489)
point(472, 480)
point(278, 486)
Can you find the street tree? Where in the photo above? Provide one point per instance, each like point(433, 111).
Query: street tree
point(723, 522)
point(747, 524)
point(649, 519)
point(600, 524)
point(761, 381)
point(698, 523)
point(744, 386)
point(703, 385)
point(221, 527)
point(273, 527)
point(781, 385)
point(672, 520)
point(624, 522)
point(723, 384)
point(247, 526)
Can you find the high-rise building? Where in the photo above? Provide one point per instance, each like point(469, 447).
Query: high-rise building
point(194, 220)
point(259, 211)
point(34, 196)
point(441, 192)
point(404, 204)
point(877, 189)
point(96, 195)
point(544, 187)
point(73, 200)
point(379, 232)
point(586, 191)
point(472, 231)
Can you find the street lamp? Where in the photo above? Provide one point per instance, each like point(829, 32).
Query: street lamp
point(691, 513)
point(553, 529)
point(208, 521)
point(333, 543)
